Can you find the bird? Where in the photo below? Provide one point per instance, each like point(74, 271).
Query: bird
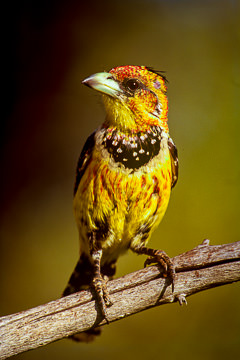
point(124, 177)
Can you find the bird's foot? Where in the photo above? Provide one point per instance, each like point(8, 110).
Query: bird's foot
point(104, 301)
point(160, 258)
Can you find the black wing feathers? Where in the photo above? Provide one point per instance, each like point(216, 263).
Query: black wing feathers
point(84, 159)
point(174, 161)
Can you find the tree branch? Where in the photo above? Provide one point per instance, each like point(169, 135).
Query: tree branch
point(199, 269)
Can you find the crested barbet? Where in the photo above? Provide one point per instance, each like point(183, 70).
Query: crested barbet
point(124, 178)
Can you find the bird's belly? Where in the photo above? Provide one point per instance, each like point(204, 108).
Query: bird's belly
point(121, 208)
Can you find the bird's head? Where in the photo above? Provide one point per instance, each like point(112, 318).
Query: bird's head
point(134, 97)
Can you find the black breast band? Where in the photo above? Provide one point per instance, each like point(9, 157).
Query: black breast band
point(132, 150)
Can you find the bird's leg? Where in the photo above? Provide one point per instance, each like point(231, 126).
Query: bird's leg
point(158, 257)
point(99, 283)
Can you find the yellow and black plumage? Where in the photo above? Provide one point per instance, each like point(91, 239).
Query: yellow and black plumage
point(124, 178)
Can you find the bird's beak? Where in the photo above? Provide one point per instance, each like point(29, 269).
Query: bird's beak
point(105, 83)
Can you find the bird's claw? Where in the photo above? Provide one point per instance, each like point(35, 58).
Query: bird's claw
point(163, 260)
point(181, 298)
point(104, 301)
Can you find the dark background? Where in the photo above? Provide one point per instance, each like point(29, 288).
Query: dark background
point(48, 47)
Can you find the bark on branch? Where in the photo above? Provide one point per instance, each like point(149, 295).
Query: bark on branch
point(199, 269)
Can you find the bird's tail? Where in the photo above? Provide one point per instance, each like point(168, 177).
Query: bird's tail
point(81, 279)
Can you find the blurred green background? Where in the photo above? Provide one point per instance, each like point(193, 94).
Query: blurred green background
point(48, 48)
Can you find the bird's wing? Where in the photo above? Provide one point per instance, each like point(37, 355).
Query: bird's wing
point(174, 161)
point(84, 159)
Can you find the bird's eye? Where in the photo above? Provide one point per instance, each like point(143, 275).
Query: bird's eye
point(133, 84)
